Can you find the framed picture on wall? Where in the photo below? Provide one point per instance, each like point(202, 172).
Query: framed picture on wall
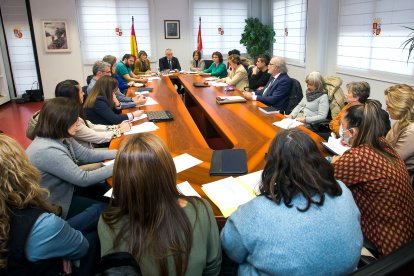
point(172, 29)
point(55, 36)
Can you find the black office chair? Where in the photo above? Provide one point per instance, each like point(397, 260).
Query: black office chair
point(399, 262)
point(207, 63)
point(295, 95)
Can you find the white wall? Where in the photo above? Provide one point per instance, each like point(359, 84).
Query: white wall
point(55, 67)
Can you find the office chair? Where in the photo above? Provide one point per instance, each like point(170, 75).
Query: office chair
point(207, 63)
point(295, 95)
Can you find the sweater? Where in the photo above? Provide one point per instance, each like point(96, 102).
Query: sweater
point(270, 239)
point(60, 173)
point(205, 255)
point(312, 111)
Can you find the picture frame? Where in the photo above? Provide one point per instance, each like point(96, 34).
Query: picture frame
point(172, 29)
point(55, 36)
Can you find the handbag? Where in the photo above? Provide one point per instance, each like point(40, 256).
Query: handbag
point(35, 95)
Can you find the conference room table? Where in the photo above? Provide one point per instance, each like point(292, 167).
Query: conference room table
point(200, 125)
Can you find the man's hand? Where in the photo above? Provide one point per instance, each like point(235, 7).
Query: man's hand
point(139, 99)
point(248, 95)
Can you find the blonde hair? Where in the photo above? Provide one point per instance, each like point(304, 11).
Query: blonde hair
point(316, 79)
point(19, 188)
point(400, 98)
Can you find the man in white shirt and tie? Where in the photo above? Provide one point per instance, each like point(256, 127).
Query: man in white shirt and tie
point(277, 90)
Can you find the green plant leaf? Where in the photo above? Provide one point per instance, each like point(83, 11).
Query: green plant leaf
point(257, 38)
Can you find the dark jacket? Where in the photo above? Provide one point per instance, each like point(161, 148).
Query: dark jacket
point(102, 113)
point(163, 63)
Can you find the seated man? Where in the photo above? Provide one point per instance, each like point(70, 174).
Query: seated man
point(276, 92)
point(123, 69)
point(169, 62)
point(259, 75)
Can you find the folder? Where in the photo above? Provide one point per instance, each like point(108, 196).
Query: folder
point(201, 84)
point(230, 99)
point(228, 162)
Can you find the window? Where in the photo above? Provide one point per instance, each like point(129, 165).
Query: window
point(228, 15)
point(98, 21)
point(289, 23)
point(370, 37)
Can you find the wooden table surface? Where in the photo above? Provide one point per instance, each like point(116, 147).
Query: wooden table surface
point(240, 125)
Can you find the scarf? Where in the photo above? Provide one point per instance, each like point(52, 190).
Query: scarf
point(311, 96)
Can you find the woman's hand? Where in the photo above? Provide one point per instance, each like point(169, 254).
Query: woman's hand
point(124, 126)
point(137, 113)
point(139, 99)
point(131, 83)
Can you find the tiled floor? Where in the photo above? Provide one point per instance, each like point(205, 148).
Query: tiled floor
point(14, 118)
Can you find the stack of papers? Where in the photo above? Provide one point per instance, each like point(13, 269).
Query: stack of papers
point(144, 127)
point(335, 146)
point(216, 83)
point(185, 188)
point(150, 101)
point(287, 123)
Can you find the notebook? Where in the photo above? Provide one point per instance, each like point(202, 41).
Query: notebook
point(268, 110)
point(228, 162)
point(230, 99)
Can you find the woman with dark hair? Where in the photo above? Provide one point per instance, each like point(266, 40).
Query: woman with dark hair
point(357, 94)
point(58, 156)
point(304, 221)
point(102, 107)
point(33, 240)
point(217, 68)
point(377, 177)
point(87, 133)
point(167, 233)
point(238, 74)
point(400, 105)
point(142, 64)
point(197, 63)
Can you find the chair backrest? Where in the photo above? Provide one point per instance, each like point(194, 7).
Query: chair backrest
point(295, 95)
point(119, 263)
point(88, 79)
point(336, 96)
point(208, 63)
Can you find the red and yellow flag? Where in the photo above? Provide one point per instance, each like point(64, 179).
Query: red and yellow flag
point(199, 40)
point(134, 46)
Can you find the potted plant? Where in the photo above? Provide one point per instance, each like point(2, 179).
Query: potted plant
point(409, 42)
point(257, 37)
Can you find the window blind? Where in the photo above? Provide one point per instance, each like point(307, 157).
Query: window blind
point(361, 51)
point(97, 23)
point(289, 23)
point(228, 15)
point(20, 50)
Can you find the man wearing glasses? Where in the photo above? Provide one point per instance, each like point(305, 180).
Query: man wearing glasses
point(99, 69)
point(276, 92)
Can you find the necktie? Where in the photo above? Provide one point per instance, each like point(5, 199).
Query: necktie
point(267, 87)
point(169, 64)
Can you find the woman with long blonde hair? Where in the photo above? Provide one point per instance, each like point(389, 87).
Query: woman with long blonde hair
point(24, 212)
point(167, 233)
point(400, 105)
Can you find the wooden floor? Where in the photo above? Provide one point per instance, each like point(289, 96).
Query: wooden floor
point(14, 118)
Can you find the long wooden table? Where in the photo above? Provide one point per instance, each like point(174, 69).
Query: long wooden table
point(200, 119)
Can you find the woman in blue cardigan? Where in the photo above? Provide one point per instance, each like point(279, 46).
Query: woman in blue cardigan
point(304, 222)
point(102, 107)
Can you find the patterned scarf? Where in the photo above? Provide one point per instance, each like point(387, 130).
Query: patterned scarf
point(311, 96)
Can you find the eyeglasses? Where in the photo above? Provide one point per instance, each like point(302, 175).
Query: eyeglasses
point(272, 64)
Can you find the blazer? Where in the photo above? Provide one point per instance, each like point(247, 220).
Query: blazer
point(102, 113)
point(163, 63)
point(201, 65)
point(278, 94)
point(238, 78)
point(138, 67)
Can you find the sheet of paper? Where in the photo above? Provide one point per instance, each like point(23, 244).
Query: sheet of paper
point(150, 101)
point(210, 78)
point(138, 84)
point(217, 84)
point(153, 78)
point(109, 162)
point(186, 189)
point(287, 123)
point(108, 193)
point(144, 127)
point(336, 146)
point(142, 93)
point(252, 180)
point(142, 116)
point(185, 161)
point(227, 194)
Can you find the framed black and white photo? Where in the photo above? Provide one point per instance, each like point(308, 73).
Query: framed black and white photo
point(172, 29)
point(55, 36)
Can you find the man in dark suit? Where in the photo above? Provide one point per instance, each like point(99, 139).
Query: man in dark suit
point(169, 62)
point(277, 90)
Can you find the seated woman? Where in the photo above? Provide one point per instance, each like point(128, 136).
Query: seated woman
point(167, 233)
point(57, 155)
point(28, 222)
point(217, 68)
point(400, 105)
point(102, 107)
point(87, 133)
point(197, 64)
point(238, 74)
point(142, 64)
point(377, 177)
point(357, 93)
point(315, 105)
point(288, 229)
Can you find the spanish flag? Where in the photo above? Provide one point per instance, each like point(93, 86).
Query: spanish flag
point(134, 46)
point(199, 40)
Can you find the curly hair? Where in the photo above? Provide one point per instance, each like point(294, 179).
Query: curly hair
point(400, 99)
point(19, 188)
